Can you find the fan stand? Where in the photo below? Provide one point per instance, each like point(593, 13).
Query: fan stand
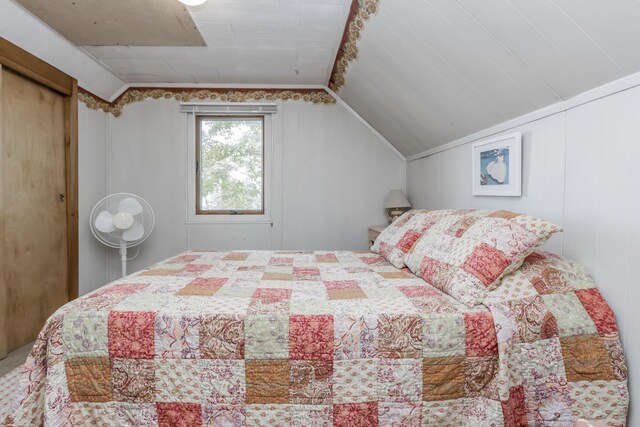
point(123, 257)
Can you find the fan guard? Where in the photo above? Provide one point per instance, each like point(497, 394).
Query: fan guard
point(122, 220)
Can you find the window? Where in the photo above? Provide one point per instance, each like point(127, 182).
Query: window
point(230, 165)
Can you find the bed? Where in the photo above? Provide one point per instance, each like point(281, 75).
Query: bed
point(325, 338)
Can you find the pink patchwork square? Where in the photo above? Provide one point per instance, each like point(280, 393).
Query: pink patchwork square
point(306, 273)
point(407, 240)
point(196, 268)
point(514, 408)
point(374, 260)
point(428, 268)
point(333, 285)
point(131, 334)
point(486, 263)
point(266, 306)
point(420, 291)
point(121, 289)
point(209, 281)
point(385, 249)
point(311, 337)
point(355, 414)
point(270, 300)
point(481, 337)
point(598, 310)
point(272, 294)
point(179, 414)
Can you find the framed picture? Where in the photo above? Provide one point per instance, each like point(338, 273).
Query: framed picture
point(497, 166)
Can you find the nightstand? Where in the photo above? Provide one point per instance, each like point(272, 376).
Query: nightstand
point(374, 232)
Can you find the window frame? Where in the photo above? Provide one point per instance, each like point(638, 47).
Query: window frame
point(199, 118)
point(192, 217)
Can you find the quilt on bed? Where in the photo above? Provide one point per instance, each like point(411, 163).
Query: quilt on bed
point(324, 338)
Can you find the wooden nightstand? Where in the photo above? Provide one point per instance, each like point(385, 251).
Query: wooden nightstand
point(374, 232)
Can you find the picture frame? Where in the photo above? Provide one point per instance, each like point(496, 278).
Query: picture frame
point(497, 166)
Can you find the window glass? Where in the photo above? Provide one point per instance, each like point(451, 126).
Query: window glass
point(230, 165)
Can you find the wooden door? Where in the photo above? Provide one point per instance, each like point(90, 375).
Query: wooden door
point(33, 210)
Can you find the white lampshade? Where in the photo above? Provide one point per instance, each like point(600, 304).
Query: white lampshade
point(193, 2)
point(396, 199)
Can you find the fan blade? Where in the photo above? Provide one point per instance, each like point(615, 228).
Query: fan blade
point(104, 222)
point(134, 233)
point(130, 205)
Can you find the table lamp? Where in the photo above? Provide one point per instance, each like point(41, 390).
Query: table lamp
point(396, 204)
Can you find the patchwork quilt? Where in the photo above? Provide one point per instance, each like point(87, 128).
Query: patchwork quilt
point(258, 338)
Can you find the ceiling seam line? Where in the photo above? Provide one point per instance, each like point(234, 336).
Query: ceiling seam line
point(450, 66)
point(552, 43)
point(373, 82)
point(443, 75)
point(544, 83)
point(589, 37)
point(481, 51)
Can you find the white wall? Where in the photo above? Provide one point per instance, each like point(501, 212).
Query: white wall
point(92, 186)
point(331, 175)
point(580, 171)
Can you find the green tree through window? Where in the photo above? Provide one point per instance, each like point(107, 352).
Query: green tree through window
point(230, 164)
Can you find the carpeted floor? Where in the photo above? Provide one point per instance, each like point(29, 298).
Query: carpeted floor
point(8, 388)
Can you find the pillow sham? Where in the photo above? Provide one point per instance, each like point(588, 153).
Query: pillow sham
point(398, 238)
point(542, 273)
point(467, 252)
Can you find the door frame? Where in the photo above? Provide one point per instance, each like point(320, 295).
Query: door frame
point(32, 67)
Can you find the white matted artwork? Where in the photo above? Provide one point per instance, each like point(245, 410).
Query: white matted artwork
point(497, 166)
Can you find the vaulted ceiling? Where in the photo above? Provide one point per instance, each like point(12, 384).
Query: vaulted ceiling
point(431, 71)
point(421, 72)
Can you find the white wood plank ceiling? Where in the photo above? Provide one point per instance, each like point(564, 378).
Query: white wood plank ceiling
point(432, 71)
point(428, 71)
point(248, 42)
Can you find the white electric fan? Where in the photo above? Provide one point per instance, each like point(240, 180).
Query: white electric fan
point(122, 220)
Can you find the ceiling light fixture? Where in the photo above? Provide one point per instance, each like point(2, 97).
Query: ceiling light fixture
point(193, 2)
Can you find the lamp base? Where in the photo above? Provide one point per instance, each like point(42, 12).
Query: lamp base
point(395, 213)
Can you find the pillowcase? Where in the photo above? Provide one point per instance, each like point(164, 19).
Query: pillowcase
point(466, 253)
point(398, 238)
point(542, 273)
